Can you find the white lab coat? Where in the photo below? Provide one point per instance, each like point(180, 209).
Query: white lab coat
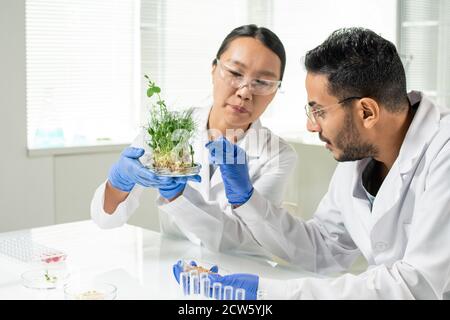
point(202, 214)
point(405, 238)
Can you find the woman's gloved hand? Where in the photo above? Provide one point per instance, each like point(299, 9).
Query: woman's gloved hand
point(232, 161)
point(129, 171)
point(171, 187)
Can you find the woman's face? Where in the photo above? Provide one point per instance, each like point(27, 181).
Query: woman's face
point(245, 58)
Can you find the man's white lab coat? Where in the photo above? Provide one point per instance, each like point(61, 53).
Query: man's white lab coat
point(202, 213)
point(405, 237)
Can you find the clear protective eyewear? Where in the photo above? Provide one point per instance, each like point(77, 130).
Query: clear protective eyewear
point(235, 79)
point(312, 111)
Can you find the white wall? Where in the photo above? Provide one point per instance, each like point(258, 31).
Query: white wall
point(76, 178)
point(38, 191)
point(310, 179)
point(26, 185)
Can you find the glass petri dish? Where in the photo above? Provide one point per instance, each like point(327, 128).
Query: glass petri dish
point(45, 278)
point(90, 291)
point(186, 172)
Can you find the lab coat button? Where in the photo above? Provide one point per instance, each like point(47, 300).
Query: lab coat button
point(380, 246)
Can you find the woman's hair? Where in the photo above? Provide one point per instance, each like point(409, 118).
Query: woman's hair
point(267, 37)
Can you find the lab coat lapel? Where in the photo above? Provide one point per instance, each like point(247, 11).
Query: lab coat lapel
point(388, 194)
point(361, 205)
point(423, 127)
point(200, 151)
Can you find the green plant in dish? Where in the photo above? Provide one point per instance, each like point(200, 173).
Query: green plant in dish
point(50, 278)
point(170, 133)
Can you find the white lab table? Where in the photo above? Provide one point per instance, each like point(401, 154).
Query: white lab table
point(137, 261)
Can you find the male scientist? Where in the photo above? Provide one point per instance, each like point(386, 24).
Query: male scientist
point(389, 198)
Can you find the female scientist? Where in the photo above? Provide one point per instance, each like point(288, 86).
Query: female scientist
point(246, 75)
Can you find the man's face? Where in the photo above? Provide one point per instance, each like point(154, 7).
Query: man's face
point(335, 123)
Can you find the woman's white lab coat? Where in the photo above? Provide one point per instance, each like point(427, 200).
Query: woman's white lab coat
point(405, 237)
point(202, 213)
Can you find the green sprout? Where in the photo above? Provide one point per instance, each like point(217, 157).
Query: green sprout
point(170, 132)
point(50, 278)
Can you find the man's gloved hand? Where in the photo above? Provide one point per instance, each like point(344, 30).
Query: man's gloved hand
point(128, 171)
point(246, 281)
point(232, 161)
point(179, 267)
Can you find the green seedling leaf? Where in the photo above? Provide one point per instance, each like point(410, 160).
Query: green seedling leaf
point(169, 148)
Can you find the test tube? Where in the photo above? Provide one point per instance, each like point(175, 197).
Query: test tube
point(194, 282)
point(205, 285)
point(261, 295)
point(217, 291)
point(193, 273)
point(203, 275)
point(240, 294)
point(228, 293)
point(184, 283)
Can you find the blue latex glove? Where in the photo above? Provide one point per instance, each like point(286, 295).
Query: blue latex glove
point(128, 171)
point(175, 186)
point(246, 281)
point(178, 268)
point(232, 161)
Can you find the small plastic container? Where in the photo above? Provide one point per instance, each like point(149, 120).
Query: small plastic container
point(53, 258)
point(45, 278)
point(90, 291)
point(202, 266)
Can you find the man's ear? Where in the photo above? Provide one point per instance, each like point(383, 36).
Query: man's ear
point(368, 112)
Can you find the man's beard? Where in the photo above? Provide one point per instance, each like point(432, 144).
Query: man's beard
point(349, 142)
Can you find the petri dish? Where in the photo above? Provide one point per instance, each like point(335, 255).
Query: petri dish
point(186, 172)
point(45, 278)
point(90, 291)
point(202, 266)
point(53, 258)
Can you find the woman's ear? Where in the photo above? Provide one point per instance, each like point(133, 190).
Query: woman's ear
point(369, 112)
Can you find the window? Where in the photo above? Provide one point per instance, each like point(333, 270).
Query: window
point(86, 59)
point(83, 62)
point(425, 43)
point(180, 40)
point(303, 25)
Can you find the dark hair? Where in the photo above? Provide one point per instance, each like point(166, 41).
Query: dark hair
point(267, 37)
point(358, 62)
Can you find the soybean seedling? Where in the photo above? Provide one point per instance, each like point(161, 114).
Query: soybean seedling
point(170, 132)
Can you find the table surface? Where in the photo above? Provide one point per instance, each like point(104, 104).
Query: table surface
point(137, 261)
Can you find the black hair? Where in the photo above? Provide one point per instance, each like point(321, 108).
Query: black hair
point(358, 62)
point(267, 37)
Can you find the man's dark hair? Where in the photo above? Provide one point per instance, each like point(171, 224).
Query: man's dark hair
point(267, 37)
point(358, 62)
